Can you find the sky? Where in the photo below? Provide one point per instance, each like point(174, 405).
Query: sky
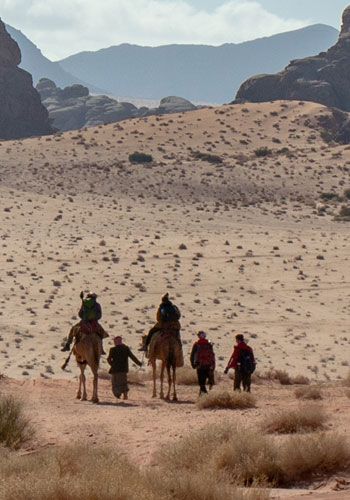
point(64, 27)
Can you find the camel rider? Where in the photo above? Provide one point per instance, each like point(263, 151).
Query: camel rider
point(168, 316)
point(90, 313)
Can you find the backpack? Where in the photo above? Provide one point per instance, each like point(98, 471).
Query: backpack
point(89, 309)
point(169, 312)
point(204, 356)
point(247, 365)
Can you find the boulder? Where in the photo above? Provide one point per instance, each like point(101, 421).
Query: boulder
point(21, 112)
point(324, 78)
point(174, 104)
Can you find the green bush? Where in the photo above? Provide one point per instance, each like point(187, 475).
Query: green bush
point(140, 158)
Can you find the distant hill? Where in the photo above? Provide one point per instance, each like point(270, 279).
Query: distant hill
point(196, 72)
point(40, 66)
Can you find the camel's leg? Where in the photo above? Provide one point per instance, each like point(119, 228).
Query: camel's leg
point(161, 395)
point(83, 381)
point(174, 384)
point(154, 368)
point(169, 382)
point(80, 382)
point(94, 398)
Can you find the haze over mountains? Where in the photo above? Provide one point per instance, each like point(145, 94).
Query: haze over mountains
point(200, 73)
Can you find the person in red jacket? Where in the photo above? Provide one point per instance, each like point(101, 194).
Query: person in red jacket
point(203, 360)
point(243, 363)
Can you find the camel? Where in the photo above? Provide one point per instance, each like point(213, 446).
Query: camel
point(165, 347)
point(87, 351)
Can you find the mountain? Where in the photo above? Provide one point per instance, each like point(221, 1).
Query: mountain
point(40, 66)
point(324, 78)
point(197, 72)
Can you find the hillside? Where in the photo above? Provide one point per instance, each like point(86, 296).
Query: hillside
point(197, 72)
point(40, 66)
point(256, 257)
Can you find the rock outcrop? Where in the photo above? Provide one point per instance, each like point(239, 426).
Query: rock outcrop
point(21, 112)
point(324, 78)
point(73, 107)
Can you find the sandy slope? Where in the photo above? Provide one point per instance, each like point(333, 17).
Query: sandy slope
point(257, 257)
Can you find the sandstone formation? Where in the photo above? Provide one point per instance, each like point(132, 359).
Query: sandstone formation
point(21, 112)
point(73, 107)
point(324, 78)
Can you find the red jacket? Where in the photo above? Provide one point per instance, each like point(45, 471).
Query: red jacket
point(238, 349)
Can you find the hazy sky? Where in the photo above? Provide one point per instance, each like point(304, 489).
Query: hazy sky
point(64, 27)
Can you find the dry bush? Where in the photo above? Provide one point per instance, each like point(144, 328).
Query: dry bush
point(301, 457)
point(313, 393)
point(226, 400)
point(347, 393)
point(138, 377)
point(186, 376)
point(300, 380)
point(346, 381)
point(284, 378)
point(72, 473)
point(307, 418)
point(245, 456)
point(104, 375)
point(14, 426)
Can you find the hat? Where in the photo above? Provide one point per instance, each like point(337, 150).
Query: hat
point(91, 295)
point(202, 335)
point(165, 297)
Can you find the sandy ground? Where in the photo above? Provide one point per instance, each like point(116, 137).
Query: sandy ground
point(237, 243)
point(140, 426)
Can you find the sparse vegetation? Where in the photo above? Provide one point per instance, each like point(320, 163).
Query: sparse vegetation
point(210, 158)
point(247, 457)
point(304, 419)
point(263, 152)
point(140, 158)
point(97, 473)
point(313, 393)
point(226, 400)
point(14, 427)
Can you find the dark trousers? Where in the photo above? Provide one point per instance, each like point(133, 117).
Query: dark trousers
point(205, 375)
point(242, 378)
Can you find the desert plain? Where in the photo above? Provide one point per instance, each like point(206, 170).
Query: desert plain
point(224, 218)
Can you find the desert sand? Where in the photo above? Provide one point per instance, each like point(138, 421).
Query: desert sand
point(236, 240)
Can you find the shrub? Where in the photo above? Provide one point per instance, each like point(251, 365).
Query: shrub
point(313, 393)
point(347, 194)
point(329, 196)
point(226, 400)
point(72, 473)
point(346, 381)
point(300, 380)
point(304, 419)
point(140, 158)
point(344, 211)
point(262, 152)
point(186, 376)
point(246, 457)
point(210, 158)
point(14, 427)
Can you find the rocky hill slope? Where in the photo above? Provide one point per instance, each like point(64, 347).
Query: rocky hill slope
point(73, 107)
point(324, 78)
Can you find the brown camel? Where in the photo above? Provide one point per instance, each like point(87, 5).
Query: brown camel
point(166, 348)
point(87, 351)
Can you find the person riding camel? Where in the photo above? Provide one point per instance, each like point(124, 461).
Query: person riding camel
point(168, 316)
point(90, 313)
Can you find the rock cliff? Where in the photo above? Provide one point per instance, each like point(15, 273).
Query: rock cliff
point(324, 78)
point(21, 112)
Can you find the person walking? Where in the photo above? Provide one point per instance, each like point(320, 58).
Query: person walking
point(243, 363)
point(118, 359)
point(203, 360)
